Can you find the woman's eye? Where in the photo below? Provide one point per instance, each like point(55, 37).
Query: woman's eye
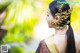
point(47, 15)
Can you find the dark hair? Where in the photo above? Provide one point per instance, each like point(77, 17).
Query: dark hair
point(54, 7)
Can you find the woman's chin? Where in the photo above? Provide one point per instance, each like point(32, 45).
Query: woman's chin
point(50, 26)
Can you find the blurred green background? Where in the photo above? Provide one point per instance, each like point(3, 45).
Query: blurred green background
point(20, 17)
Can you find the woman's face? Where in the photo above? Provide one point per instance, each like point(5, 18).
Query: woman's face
point(51, 18)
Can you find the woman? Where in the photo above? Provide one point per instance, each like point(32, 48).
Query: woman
point(64, 40)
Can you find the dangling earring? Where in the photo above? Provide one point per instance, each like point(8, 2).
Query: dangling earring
point(52, 22)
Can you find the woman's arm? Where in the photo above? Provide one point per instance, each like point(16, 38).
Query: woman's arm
point(42, 48)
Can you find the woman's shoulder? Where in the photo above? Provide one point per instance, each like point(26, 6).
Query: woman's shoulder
point(56, 39)
point(77, 41)
point(77, 38)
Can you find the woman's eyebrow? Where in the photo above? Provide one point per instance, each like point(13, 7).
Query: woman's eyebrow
point(47, 12)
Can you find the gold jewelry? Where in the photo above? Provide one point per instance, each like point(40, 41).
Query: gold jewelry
point(62, 15)
point(60, 8)
point(68, 22)
point(62, 19)
point(52, 22)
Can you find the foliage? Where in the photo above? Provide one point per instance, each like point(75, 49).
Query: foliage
point(75, 18)
point(4, 4)
point(16, 49)
point(20, 21)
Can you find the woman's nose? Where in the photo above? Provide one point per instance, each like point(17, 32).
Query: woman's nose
point(46, 17)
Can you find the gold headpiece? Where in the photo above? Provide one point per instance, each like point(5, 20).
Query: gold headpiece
point(62, 15)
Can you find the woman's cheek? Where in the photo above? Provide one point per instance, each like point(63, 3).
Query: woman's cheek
point(49, 23)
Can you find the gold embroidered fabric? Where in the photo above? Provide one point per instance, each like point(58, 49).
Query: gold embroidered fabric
point(51, 45)
point(47, 46)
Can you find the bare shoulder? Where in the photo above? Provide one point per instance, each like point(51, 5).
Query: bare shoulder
point(77, 38)
point(77, 41)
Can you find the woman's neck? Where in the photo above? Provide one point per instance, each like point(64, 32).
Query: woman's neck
point(61, 31)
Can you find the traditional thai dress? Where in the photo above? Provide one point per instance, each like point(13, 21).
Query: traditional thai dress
point(49, 46)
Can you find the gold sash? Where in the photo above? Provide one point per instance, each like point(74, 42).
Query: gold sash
point(51, 45)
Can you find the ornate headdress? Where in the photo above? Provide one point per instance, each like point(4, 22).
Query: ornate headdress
point(62, 15)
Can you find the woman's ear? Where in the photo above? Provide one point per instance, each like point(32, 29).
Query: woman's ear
point(57, 17)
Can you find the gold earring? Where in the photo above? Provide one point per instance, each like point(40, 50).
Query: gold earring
point(52, 22)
